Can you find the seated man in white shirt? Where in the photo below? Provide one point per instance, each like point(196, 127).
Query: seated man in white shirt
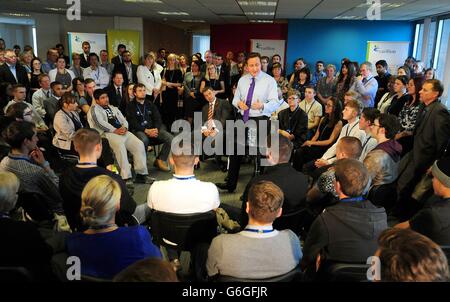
point(96, 72)
point(183, 194)
point(258, 251)
point(41, 94)
point(351, 114)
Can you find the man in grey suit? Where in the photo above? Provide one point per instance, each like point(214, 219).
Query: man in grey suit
point(431, 136)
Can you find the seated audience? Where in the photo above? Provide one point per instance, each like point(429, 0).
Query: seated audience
point(104, 248)
point(294, 184)
point(433, 220)
point(62, 75)
point(96, 72)
point(313, 110)
point(116, 92)
point(146, 123)
point(293, 121)
point(330, 127)
point(110, 122)
point(383, 161)
point(22, 245)
point(27, 162)
point(148, 270)
point(326, 85)
point(407, 256)
point(258, 251)
point(347, 231)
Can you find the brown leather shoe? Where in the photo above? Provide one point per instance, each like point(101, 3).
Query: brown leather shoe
point(161, 165)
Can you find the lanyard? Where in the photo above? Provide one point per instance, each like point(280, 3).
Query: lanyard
point(97, 77)
point(351, 129)
point(87, 164)
point(258, 231)
point(139, 109)
point(365, 143)
point(352, 199)
point(183, 178)
point(310, 107)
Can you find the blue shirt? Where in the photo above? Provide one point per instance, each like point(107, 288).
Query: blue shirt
point(104, 255)
point(316, 77)
point(47, 66)
point(265, 92)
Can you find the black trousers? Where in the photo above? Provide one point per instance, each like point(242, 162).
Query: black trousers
point(235, 160)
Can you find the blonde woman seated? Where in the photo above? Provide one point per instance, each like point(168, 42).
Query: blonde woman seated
point(104, 248)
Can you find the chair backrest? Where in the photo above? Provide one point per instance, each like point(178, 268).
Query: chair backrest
point(383, 195)
point(293, 221)
point(15, 274)
point(337, 271)
point(183, 231)
point(293, 275)
point(35, 206)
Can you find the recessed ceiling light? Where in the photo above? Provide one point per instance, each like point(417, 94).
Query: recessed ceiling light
point(257, 3)
point(174, 13)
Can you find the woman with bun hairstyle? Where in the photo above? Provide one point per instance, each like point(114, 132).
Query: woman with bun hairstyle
point(104, 248)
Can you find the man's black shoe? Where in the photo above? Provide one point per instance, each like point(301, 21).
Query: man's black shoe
point(144, 179)
point(224, 186)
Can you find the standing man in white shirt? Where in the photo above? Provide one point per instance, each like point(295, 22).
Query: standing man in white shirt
point(96, 72)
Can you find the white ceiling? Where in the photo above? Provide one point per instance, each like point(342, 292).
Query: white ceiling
point(230, 11)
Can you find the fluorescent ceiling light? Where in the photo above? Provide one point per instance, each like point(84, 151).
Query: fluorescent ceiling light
point(261, 21)
point(346, 17)
point(257, 3)
point(17, 14)
point(193, 21)
point(260, 13)
point(55, 9)
point(174, 13)
point(143, 1)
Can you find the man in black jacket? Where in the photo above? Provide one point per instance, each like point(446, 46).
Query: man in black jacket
point(84, 62)
point(145, 122)
point(88, 144)
point(127, 68)
point(347, 231)
point(293, 121)
point(116, 92)
point(119, 58)
point(13, 73)
point(294, 184)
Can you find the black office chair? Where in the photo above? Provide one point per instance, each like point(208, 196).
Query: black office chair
point(183, 231)
point(383, 195)
point(35, 206)
point(343, 272)
point(15, 274)
point(291, 276)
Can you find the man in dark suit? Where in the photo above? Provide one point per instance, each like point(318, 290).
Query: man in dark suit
point(431, 136)
point(119, 58)
point(223, 73)
point(216, 111)
point(13, 73)
point(127, 68)
point(294, 184)
point(116, 92)
point(293, 121)
point(85, 55)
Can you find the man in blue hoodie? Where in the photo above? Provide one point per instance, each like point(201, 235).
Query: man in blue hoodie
point(347, 231)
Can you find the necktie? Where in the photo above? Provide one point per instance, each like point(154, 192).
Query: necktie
point(249, 100)
point(218, 71)
point(210, 116)
point(119, 92)
point(47, 94)
point(364, 81)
